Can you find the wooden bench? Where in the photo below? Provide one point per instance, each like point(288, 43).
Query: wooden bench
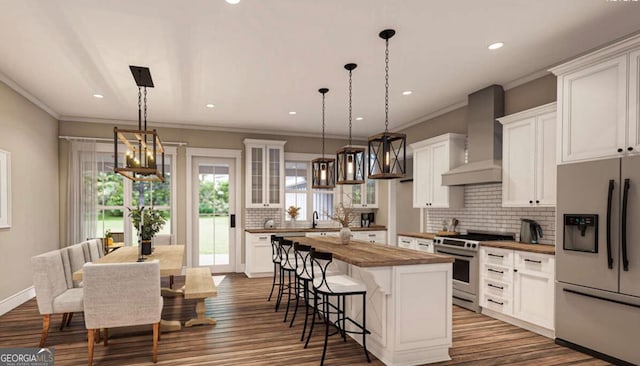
point(199, 285)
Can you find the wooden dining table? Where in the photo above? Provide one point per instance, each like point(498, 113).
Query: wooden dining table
point(170, 258)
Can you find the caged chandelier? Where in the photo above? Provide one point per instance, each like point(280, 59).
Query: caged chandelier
point(323, 168)
point(144, 156)
point(350, 159)
point(387, 150)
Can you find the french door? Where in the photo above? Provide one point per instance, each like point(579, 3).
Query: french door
point(212, 213)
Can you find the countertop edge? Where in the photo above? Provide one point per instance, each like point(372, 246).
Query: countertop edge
point(533, 248)
point(310, 230)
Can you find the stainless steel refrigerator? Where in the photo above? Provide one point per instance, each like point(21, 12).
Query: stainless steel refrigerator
point(598, 258)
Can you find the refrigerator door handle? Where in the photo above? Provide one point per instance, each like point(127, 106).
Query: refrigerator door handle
point(609, 201)
point(625, 199)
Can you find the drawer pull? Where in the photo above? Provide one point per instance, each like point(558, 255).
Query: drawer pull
point(495, 271)
point(263, 237)
point(495, 255)
point(496, 302)
point(494, 286)
point(532, 261)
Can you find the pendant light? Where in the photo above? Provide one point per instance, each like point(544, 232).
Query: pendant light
point(387, 150)
point(350, 159)
point(143, 147)
point(323, 169)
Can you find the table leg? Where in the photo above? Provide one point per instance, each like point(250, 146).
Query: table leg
point(169, 292)
point(200, 316)
point(170, 325)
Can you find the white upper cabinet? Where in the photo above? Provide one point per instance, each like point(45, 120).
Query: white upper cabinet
point(432, 158)
point(529, 157)
point(264, 176)
point(598, 104)
point(361, 195)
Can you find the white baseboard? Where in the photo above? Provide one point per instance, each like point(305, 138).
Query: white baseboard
point(549, 333)
point(16, 300)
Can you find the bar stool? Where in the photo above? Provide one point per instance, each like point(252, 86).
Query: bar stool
point(275, 258)
point(288, 268)
point(338, 286)
point(303, 278)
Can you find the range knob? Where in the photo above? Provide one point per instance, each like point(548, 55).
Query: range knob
point(474, 245)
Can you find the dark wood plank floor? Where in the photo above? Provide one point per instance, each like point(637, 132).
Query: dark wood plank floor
point(249, 332)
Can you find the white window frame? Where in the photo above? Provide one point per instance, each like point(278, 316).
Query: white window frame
point(170, 151)
point(307, 158)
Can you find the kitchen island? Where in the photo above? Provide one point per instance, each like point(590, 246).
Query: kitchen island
point(409, 303)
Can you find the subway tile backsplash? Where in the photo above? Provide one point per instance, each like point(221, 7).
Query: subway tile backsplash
point(483, 211)
point(254, 218)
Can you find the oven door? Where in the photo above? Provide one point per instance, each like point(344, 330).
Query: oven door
point(465, 268)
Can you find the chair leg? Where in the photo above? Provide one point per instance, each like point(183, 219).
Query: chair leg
point(313, 318)
point(64, 321)
point(46, 322)
point(280, 288)
point(273, 284)
point(171, 281)
point(106, 337)
point(305, 288)
point(297, 294)
point(364, 326)
point(288, 295)
point(325, 309)
point(69, 319)
point(90, 341)
point(156, 337)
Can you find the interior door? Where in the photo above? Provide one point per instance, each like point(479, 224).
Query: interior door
point(630, 277)
point(583, 189)
point(213, 213)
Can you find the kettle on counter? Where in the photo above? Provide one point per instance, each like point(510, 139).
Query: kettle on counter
point(530, 231)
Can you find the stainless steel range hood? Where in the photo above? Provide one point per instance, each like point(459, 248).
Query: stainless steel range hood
point(484, 140)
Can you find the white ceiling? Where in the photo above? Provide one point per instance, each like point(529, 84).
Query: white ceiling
point(260, 59)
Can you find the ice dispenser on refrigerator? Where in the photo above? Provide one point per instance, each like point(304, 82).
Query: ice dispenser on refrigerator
point(581, 233)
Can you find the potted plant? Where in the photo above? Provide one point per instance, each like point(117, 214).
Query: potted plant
point(343, 216)
point(293, 213)
point(148, 222)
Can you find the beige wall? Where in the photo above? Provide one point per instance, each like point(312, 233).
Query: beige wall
point(31, 136)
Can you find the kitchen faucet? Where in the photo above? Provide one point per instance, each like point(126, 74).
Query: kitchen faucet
point(314, 223)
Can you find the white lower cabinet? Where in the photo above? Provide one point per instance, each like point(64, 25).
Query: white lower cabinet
point(379, 237)
point(408, 242)
point(258, 261)
point(518, 287)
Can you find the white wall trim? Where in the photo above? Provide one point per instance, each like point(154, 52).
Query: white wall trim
point(215, 153)
point(30, 97)
point(17, 299)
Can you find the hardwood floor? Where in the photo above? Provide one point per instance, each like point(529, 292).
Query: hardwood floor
point(249, 332)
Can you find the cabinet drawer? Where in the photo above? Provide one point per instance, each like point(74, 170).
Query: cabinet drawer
point(260, 238)
point(406, 242)
point(534, 262)
point(497, 256)
point(497, 303)
point(501, 289)
point(497, 273)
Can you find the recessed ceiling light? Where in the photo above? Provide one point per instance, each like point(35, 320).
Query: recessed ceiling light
point(292, 113)
point(495, 46)
point(407, 92)
point(232, 2)
point(359, 118)
point(209, 105)
point(99, 96)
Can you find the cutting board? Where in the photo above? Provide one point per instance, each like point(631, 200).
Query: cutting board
point(447, 233)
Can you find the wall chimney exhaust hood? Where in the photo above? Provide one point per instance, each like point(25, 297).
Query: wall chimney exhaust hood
point(484, 140)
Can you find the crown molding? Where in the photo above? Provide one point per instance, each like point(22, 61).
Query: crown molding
point(432, 115)
point(30, 97)
point(525, 79)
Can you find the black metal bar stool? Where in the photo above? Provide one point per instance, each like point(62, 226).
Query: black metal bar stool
point(325, 289)
point(303, 279)
point(275, 258)
point(288, 269)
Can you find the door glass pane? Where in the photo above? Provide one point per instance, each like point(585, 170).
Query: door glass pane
point(274, 176)
point(256, 175)
point(356, 194)
point(213, 215)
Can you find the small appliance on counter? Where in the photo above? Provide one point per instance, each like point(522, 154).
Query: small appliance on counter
point(269, 224)
point(367, 219)
point(530, 231)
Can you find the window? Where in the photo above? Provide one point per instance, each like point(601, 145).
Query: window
point(298, 191)
point(110, 196)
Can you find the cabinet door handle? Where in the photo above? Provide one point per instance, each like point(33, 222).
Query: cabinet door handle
point(495, 255)
point(495, 302)
point(532, 261)
point(537, 201)
point(609, 199)
point(630, 148)
point(620, 150)
point(494, 286)
point(495, 271)
point(263, 237)
point(625, 199)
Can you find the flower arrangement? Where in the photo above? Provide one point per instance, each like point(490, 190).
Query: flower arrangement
point(293, 212)
point(343, 215)
point(151, 219)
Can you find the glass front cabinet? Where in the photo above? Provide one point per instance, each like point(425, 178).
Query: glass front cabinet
point(264, 163)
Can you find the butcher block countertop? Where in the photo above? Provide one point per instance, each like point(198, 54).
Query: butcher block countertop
point(419, 235)
point(310, 230)
point(364, 254)
point(534, 248)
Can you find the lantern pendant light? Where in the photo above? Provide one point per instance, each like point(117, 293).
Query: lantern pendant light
point(350, 159)
point(144, 156)
point(323, 169)
point(387, 150)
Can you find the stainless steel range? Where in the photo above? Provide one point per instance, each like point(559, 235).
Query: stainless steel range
point(464, 248)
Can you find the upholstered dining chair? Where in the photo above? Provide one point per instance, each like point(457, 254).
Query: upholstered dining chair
point(54, 294)
point(121, 294)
